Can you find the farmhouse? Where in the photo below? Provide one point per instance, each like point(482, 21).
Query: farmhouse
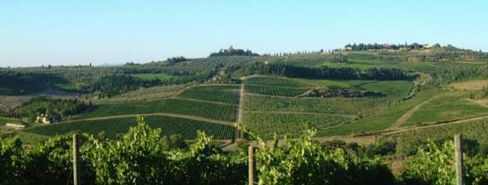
point(42, 119)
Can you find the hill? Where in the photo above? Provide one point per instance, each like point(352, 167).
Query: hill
point(359, 90)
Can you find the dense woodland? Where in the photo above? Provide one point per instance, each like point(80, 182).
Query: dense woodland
point(13, 82)
point(53, 108)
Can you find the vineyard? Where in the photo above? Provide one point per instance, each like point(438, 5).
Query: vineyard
point(181, 110)
point(275, 86)
point(289, 123)
point(112, 127)
point(243, 92)
point(271, 105)
point(217, 93)
point(145, 94)
point(176, 106)
point(473, 131)
point(449, 107)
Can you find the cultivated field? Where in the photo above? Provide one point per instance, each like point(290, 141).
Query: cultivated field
point(270, 105)
point(111, 127)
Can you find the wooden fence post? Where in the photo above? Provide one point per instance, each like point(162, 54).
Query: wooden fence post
point(251, 164)
point(76, 155)
point(458, 140)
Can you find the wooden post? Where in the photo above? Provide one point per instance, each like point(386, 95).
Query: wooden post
point(76, 155)
point(458, 140)
point(251, 164)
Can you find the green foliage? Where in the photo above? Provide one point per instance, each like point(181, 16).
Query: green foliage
point(432, 165)
point(477, 170)
point(233, 52)
point(341, 92)
point(15, 82)
point(141, 156)
point(145, 156)
point(304, 162)
point(113, 84)
point(375, 46)
point(10, 152)
point(151, 76)
point(50, 107)
point(325, 72)
point(137, 158)
point(4, 120)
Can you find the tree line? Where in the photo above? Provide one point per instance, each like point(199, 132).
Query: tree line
point(233, 52)
point(376, 46)
point(52, 108)
point(325, 72)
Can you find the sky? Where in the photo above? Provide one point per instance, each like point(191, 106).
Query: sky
point(74, 32)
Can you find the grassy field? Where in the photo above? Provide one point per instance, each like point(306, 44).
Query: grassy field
point(446, 108)
point(69, 86)
point(176, 106)
point(111, 127)
point(392, 89)
point(218, 93)
point(149, 76)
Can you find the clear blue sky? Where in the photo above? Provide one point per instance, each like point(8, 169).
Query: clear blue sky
point(69, 32)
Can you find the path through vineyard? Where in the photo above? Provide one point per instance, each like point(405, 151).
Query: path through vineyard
point(239, 134)
point(370, 138)
point(155, 114)
point(407, 115)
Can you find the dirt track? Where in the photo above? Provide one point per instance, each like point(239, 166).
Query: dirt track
point(407, 115)
point(155, 114)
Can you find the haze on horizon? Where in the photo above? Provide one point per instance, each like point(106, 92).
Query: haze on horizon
point(34, 33)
